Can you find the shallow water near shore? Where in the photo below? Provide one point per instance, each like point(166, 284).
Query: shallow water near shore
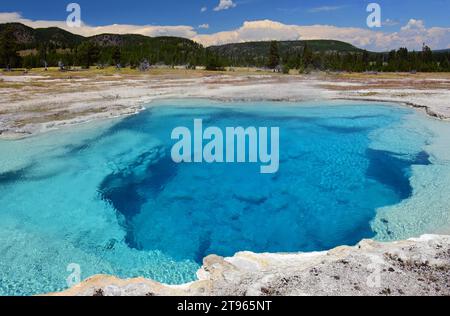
point(107, 196)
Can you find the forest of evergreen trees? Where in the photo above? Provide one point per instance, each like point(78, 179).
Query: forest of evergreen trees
point(132, 50)
point(306, 60)
point(89, 53)
point(23, 47)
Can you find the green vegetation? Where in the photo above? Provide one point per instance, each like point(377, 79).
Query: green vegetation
point(22, 46)
point(54, 45)
point(256, 54)
point(214, 62)
point(8, 48)
point(88, 54)
point(274, 55)
point(307, 56)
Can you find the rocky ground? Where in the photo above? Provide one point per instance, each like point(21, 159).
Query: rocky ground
point(40, 101)
point(418, 267)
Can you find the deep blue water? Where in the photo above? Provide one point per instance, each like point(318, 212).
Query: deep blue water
point(108, 196)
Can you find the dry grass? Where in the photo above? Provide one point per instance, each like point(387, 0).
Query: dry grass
point(10, 85)
point(54, 72)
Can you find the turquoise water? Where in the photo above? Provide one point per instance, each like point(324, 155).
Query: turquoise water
point(107, 196)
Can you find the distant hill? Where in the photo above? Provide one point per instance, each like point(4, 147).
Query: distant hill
point(164, 49)
point(442, 51)
point(58, 37)
point(255, 53)
point(59, 44)
point(27, 37)
point(116, 40)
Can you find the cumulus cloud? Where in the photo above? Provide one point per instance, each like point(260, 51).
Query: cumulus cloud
point(414, 24)
point(252, 31)
point(204, 26)
point(148, 30)
point(6, 17)
point(415, 33)
point(225, 5)
point(412, 35)
point(87, 30)
point(203, 9)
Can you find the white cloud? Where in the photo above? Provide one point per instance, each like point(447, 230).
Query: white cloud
point(204, 26)
point(325, 9)
point(87, 30)
point(6, 17)
point(412, 35)
point(414, 24)
point(225, 5)
point(203, 9)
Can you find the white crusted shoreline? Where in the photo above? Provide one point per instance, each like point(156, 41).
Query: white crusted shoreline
point(413, 267)
point(54, 103)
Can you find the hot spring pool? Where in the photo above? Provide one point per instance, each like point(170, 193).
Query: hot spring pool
point(108, 197)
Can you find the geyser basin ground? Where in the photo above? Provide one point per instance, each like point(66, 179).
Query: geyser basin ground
point(107, 196)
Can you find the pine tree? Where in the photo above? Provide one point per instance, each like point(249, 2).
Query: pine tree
point(403, 59)
point(116, 56)
point(445, 65)
point(8, 54)
point(427, 54)
point(213, 63)
point(274, 55)
point(365, 60)
point(307, 56)
point(89, 54)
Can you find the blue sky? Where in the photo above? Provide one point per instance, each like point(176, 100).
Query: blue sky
point(339, 13)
